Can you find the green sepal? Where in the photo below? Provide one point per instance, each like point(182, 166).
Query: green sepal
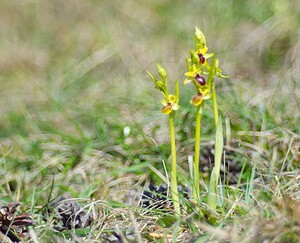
point(188, 64)
point(152, 77)
point(194, 57)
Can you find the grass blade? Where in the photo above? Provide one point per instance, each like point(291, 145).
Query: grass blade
point(212, 196)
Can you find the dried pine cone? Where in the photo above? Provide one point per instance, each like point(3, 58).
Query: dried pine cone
point(14, 226)
point(71, 215)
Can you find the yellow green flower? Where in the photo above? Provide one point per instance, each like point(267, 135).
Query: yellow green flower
point(195, 75)
point(170, 104)
point(198, 98)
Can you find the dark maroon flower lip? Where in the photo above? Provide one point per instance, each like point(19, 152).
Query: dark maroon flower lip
point(201, 58)
point(200, 79)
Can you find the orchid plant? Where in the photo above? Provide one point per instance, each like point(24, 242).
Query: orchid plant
point(202, 72)
point(202, 69)
point(170, 106)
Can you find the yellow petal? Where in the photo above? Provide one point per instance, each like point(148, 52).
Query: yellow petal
point(208, 55)
point(190, 74)
point(207, 97)
point(163, 102)
point(186, 81)
point(175, 107)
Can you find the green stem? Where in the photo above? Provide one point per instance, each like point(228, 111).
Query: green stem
point(196, 189)
point(215, 105)
point(174, 188)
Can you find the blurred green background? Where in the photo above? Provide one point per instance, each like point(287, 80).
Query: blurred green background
point(65, 60)
point(72, 73)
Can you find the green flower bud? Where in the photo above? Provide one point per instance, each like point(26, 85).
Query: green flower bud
point(159, 85)
point(162, 72)
point(199, 39)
